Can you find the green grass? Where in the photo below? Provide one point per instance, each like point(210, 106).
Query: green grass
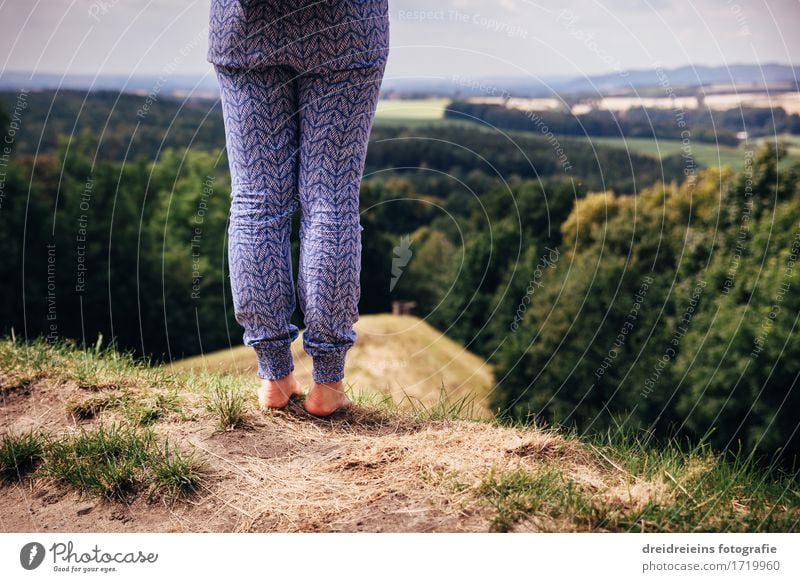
point(649, 489)
point(411, 109)
point(175, 473)
point(108, 379)
point(443, 408)
point(520, 494)
point(139, 409)
point(113, 460)
point(94, 369)
point(707, 154)
point(228, 404)
point(419, 113)
point(106, 461)
point(117, 461)
point(711, 489)
point(20, 454)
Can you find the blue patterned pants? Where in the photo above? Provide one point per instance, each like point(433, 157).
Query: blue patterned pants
point(297, 140)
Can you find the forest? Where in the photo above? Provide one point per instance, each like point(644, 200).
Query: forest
point(610, 291)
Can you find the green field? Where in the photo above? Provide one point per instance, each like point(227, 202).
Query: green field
point(411, 109)
point(706, 154)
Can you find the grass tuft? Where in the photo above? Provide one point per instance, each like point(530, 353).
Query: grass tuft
point(228, 404)
point(106, 461)
point(116, 461)
point(176, 474)
point(523, 494)
point(143, 411)
point(20, 454)
point(91, 406)
point(147, 411)
point(444, 408)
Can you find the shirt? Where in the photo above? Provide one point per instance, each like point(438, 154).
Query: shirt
point(307, 35)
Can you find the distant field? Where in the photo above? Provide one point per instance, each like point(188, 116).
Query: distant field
point(705, 153)
point(411, 109)
point(789, 101)
point(394, 355)
point(424, 112)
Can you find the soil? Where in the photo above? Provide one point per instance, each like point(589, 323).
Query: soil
point(361, 470)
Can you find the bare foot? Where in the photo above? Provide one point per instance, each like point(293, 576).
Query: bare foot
point(325, 399)
point(276, 393)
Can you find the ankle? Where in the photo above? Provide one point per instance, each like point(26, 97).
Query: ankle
point(329, 387)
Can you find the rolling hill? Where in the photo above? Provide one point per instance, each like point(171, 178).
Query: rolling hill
point(399, 356)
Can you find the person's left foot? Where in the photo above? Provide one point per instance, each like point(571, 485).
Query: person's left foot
point(276, 393)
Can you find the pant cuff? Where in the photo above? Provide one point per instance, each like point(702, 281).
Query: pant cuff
point(274, 363)
point(328, 368)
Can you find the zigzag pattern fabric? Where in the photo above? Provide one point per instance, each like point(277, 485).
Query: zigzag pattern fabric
point(299, 84)
point(303, 34)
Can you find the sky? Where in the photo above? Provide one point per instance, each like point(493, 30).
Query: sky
point(439, 39)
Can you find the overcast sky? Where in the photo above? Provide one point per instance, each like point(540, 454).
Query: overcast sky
point(462, 37)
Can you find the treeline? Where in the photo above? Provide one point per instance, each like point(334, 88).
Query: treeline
point(718, 127)
point(125, 125)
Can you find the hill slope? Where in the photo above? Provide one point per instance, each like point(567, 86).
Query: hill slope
point(399, 356)
point(93, 441)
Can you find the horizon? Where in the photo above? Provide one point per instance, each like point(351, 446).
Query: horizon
point(690, 65)
point(775, 77)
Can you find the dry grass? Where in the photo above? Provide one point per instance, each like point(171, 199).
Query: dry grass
point(383, 471)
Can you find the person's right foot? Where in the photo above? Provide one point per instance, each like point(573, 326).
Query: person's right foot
point(325, 399)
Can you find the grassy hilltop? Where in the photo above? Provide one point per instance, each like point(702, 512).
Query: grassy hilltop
point(91, 440)
point(403, 357)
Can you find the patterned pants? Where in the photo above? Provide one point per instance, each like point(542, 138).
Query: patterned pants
point(297, 140)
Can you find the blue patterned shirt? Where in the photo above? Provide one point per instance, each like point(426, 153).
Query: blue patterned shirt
point(305, 34)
